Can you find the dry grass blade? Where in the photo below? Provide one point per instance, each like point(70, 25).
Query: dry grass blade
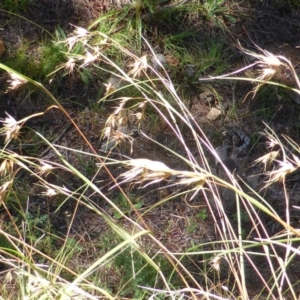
point(119, 225)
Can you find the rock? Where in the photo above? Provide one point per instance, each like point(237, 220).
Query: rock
point(240, 156)
point(207, 98)
point(213, 114)
point(253, 181)
point(114, 82)
point(189, 71)
point(223, 153)
point(158, 61)
point(228, 196)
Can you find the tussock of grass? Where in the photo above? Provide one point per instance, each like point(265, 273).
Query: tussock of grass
point(133, 262)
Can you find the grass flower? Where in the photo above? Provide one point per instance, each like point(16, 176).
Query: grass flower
point(11, 128)
point(15, 82)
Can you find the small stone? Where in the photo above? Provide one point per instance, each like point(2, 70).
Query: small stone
point(114, 82)
point(296, 197)
point(158, 61)
point(240, 156)
point(207, 98)
point(190, 71)
point(223, 153)
point(108, 145)
point(253, 181)
point(213, 114)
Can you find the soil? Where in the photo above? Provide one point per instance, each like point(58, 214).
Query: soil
point(175, 222)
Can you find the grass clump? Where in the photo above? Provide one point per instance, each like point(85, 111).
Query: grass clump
point(39, 66)
point(15, 6)
point(119, 229)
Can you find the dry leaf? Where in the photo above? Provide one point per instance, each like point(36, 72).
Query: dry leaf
point(2, 47)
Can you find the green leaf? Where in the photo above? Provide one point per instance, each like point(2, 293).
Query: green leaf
point(138, 205)
point(117, 215)
point(84, 78)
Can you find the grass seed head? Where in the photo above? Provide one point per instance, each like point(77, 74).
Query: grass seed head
point(216, 263)
point(3, 189)
point(279, 174)
point(139, 66)
point(15, 82)
point(44, 169)
point(70, 65)
point(145, 170)
point(11, 128)
point(6, 167)
point(267, 158)
point(50, 192)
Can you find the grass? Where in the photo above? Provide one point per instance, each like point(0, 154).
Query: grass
point(129, 22)
point(139, 269)
point(113, 236)
point(14, 6)
point(288, 4)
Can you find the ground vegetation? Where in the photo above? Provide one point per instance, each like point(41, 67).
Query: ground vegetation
point(149, 149)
